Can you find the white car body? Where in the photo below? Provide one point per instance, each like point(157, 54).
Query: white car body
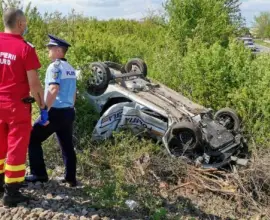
point(131, 100)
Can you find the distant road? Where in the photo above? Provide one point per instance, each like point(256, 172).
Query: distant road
point(263, 48)
point(260, 44)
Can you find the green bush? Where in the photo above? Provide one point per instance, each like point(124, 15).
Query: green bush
point(214, 69)
point(217, 77)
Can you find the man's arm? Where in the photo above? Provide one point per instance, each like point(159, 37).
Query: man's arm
point(51, 95)
point(36, 88)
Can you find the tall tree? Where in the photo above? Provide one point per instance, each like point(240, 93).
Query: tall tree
point(234, 11)
point(262, 25)
point(12, 4)
point(208, 20)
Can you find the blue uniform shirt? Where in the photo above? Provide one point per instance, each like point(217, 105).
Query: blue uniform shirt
point(62, 73)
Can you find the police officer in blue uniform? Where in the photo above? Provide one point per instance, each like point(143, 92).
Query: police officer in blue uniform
point(60, 93)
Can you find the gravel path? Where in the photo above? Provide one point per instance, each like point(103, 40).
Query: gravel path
point(53, 200)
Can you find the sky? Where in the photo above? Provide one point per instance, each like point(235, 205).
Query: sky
point(131, 9)
point(251, 8)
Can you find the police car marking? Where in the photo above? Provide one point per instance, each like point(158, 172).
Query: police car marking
point(134, 119)
point(112, 117)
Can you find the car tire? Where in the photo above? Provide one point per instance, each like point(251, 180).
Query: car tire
point(228, 114)
point(99, 81)
point(139, 63)
point(181, 134)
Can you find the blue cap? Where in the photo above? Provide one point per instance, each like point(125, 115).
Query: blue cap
point(54, 41)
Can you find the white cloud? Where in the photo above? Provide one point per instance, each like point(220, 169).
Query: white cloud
point(134, 9)
point(101, 9)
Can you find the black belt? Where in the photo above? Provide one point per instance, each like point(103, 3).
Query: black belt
point(65, 108)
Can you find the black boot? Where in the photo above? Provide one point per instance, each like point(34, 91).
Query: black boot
point(33, 178)
point(71, 183)
point(2, 182)
point(12, 195)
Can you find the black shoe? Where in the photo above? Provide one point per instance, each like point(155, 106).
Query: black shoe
point(2, 182)
point(33, 178)
point(13, 196)
point(72, 183)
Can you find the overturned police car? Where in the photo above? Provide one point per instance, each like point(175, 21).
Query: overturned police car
point(126, 98)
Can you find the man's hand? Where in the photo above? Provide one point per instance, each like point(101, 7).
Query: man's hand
point(36, 88)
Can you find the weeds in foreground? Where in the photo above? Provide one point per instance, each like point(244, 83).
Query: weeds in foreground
point(130, 168)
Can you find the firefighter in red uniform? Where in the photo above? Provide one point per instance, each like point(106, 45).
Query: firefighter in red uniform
point(18, 77)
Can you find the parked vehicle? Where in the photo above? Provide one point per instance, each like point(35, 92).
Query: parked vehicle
point(246, 39)
point(126, 98)
point(249, 43)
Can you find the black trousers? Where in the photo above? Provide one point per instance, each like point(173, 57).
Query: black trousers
point(61, 123)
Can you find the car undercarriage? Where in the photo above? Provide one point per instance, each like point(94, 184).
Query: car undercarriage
point(126, 98)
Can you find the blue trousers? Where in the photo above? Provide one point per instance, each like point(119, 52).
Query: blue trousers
point(61, 123)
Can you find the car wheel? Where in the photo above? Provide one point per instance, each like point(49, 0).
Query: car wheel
point(136, 63)
point(99, 80)
point(184, 139)
point(228, 118)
